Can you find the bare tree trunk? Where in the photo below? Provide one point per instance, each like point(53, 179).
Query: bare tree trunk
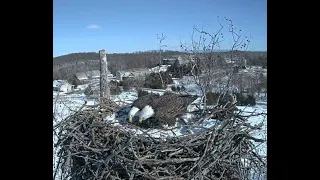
point(104, 85)
point(160, 57)
point(160, 63)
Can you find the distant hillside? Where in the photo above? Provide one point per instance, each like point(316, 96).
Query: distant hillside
point(147, 57)
point(73, 57)
point(89, 56)
point(77, 62)
point(66, 66)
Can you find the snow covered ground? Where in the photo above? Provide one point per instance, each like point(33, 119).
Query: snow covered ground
point(255, 120)
point(189, 84)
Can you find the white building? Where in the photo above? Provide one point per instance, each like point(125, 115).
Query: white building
point(57, 84)
point(95, 74)
point(132, 73)
point(62, 86)
point(66, 87)
point(162, 68)
point(180, 59)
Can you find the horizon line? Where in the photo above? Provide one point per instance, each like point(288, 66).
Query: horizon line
point(158, 50)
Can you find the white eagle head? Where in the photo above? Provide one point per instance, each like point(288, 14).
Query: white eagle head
point(146, 113)
point(133, 111)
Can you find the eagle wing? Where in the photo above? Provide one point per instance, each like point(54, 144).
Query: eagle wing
point(144, 100)
point(168, 106)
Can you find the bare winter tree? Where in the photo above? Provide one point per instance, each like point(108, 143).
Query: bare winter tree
point(263, 83)
point(214, 71)
point(161, 38)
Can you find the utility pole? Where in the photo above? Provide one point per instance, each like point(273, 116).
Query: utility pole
point(104, 85)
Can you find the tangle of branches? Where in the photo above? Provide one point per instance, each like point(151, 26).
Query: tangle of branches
point(92, 148)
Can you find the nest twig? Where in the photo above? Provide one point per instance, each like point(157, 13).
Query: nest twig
point(91, 148)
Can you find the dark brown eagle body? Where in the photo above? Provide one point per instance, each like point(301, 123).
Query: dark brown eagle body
point(169, 106)
point(142, 101)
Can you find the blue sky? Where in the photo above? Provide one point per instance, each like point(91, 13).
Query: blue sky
point(133, 25)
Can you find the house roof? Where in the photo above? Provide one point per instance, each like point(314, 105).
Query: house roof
point(162, 68)
point(175, 56)
point(59, 83)
point(95, 73)
point(236, 58)
point(86, 75)
point(81, 75)
point(132, 70)
point(137, 69)
point(170, 59)
point(128, 74)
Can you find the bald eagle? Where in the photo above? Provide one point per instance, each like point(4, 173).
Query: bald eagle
point(166, 108)
point(140, 103)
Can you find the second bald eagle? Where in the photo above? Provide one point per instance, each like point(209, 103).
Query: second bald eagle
point(166, 108)
point(140, 103)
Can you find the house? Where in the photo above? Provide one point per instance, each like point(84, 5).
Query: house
point(185, 59)
point(180, 59)
point(57, 84)
point(94, 74)
point(132, 73)
point(89, 75)
point(169, 61)
point(66, 87)
point(81, 76)
point(162, 68)
point(240, 61)
point(62, 86)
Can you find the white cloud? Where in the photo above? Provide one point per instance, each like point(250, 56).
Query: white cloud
point(93, 26)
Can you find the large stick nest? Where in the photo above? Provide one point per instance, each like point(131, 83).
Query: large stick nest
point(91, 148)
